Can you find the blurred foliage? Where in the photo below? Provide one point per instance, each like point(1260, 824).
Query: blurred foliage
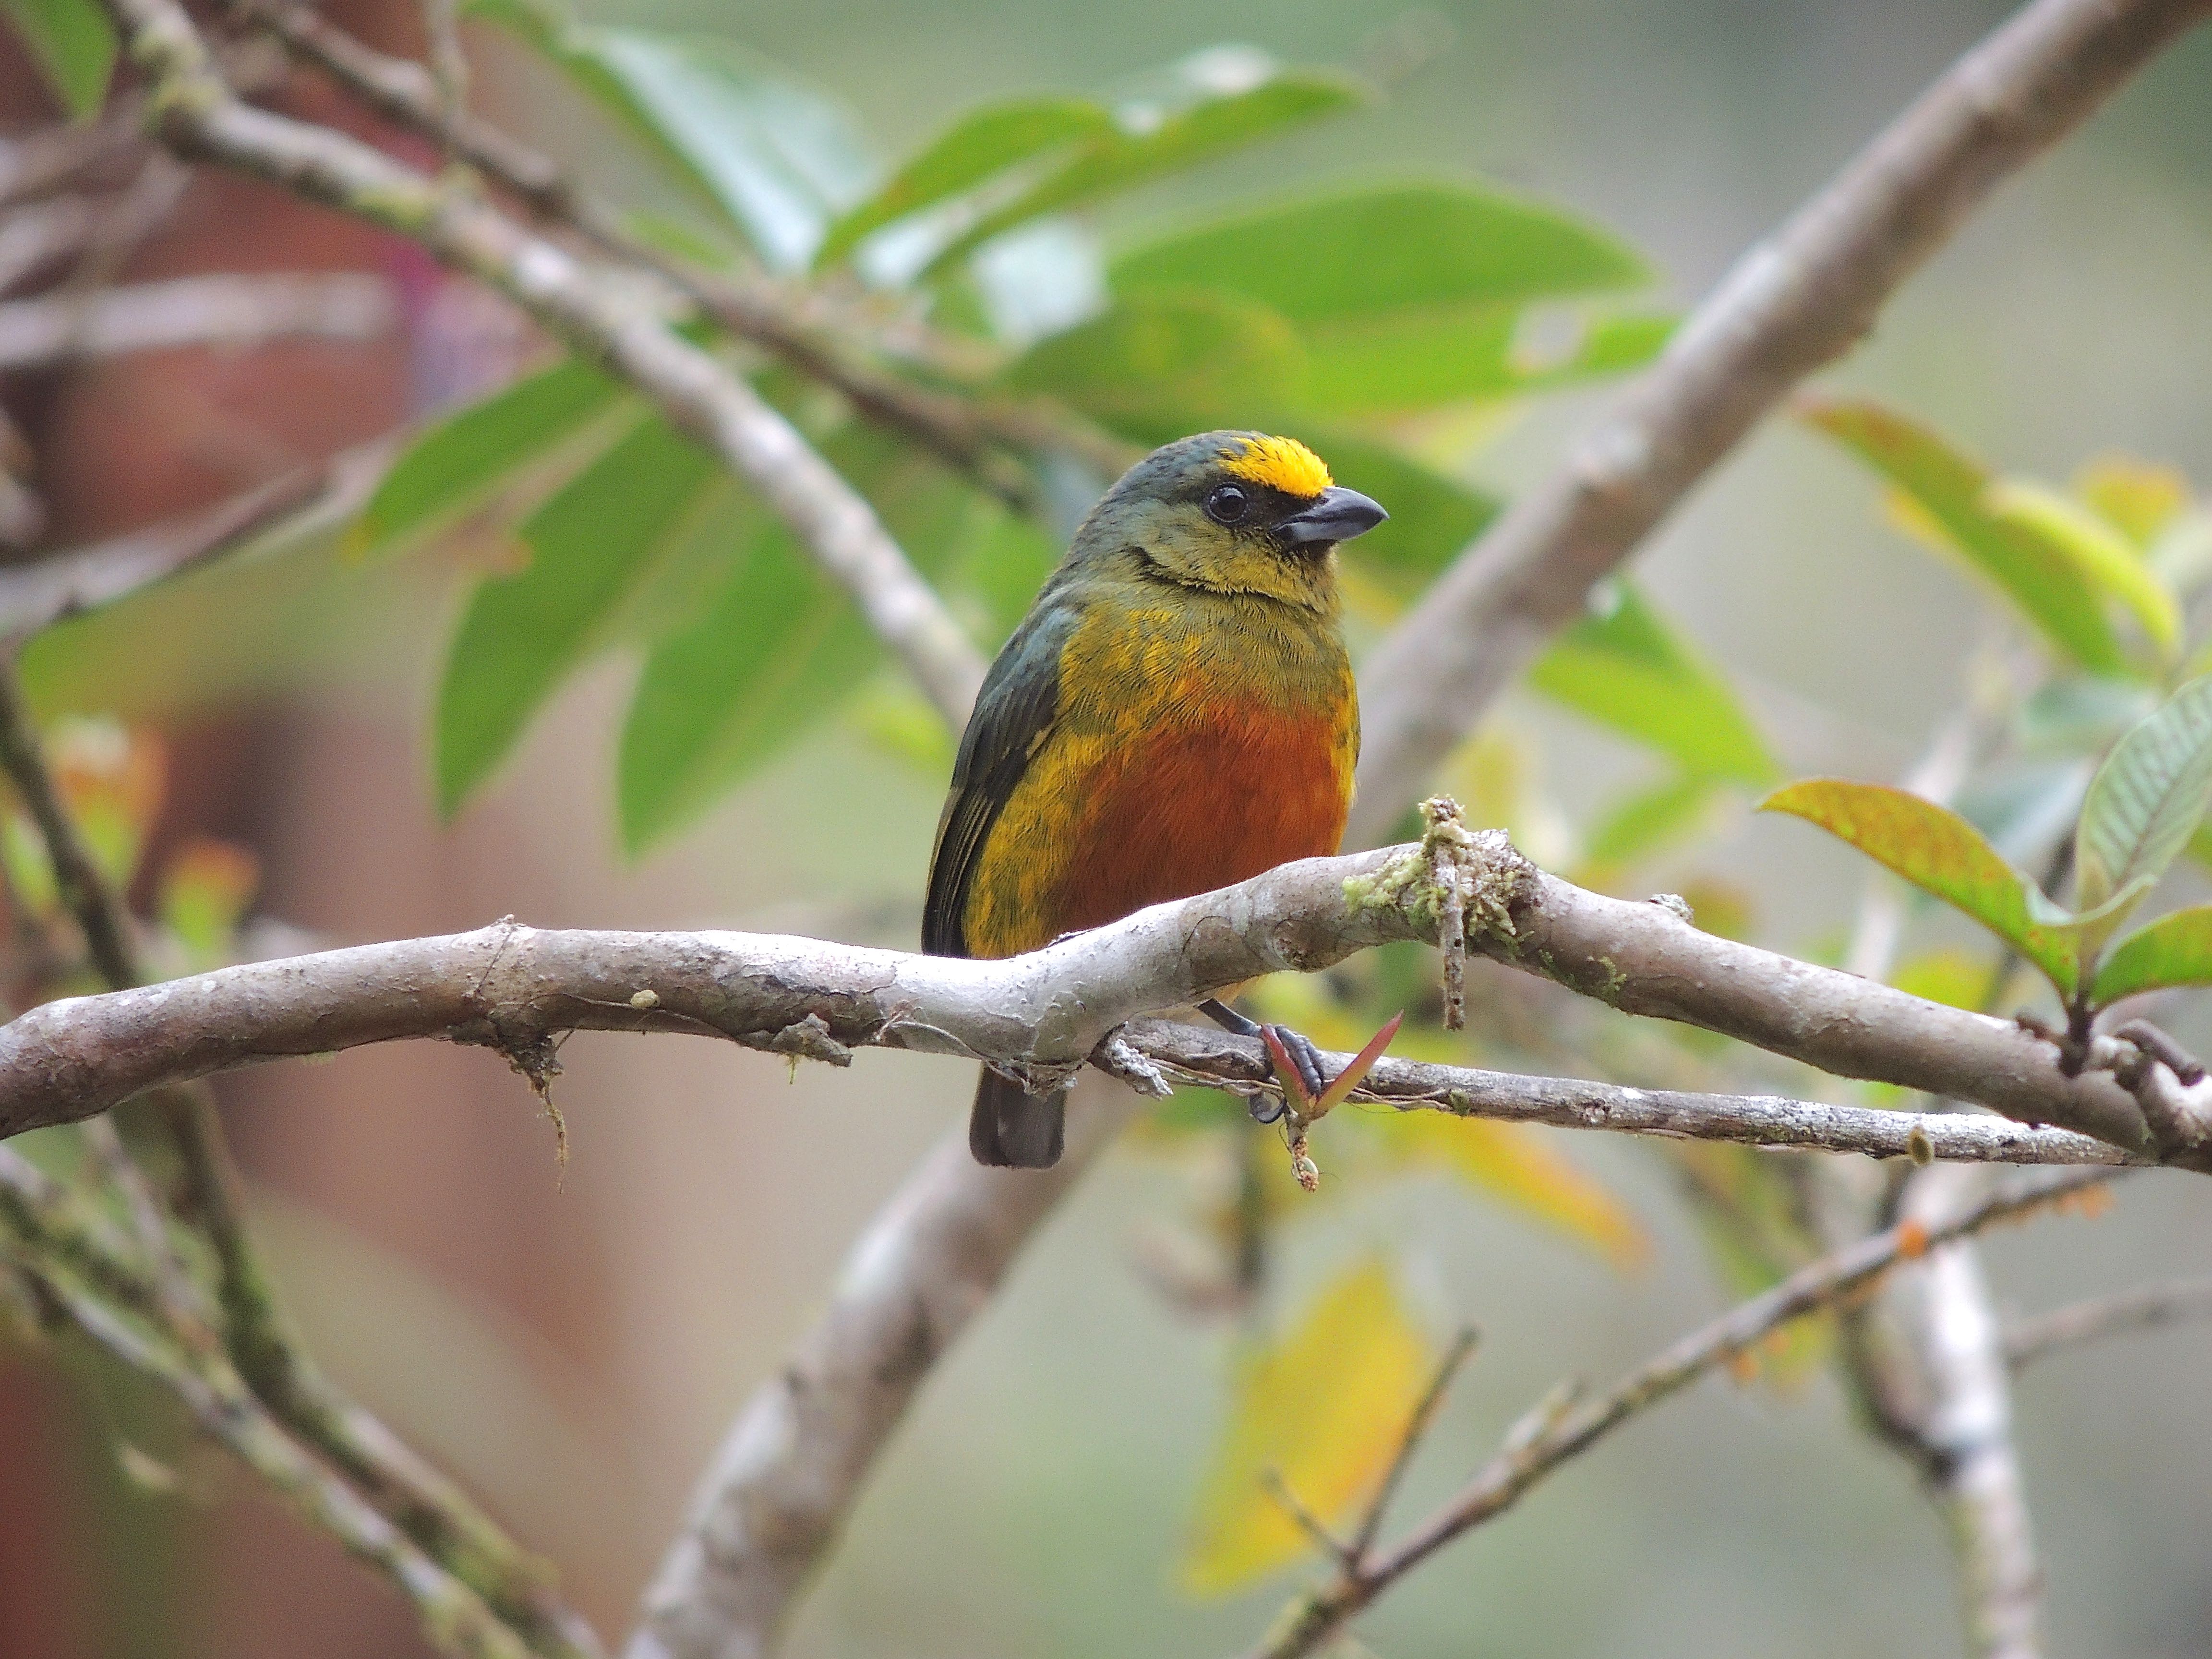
point(1334, 317)
point(1318, 1415)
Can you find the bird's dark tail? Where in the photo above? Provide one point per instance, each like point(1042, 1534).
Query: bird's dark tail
point(1014, 1129)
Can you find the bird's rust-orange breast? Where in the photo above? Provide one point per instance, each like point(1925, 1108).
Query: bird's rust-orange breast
point(1200, 803)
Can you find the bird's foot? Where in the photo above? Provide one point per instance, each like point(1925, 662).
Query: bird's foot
point(1305, 1057)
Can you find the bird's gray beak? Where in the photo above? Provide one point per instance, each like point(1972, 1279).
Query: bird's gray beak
point(1337, 516)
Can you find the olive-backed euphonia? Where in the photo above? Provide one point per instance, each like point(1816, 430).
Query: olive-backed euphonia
point(1176, 714)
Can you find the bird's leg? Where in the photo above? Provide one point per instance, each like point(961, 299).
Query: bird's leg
point(1305, 1057)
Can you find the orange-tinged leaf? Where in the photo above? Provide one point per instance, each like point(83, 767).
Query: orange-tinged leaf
point(112, 781)
point(1325, 1408)
point(1353, 1075)
point(1940, 853)
point(1519, 1164)
point(204, 892)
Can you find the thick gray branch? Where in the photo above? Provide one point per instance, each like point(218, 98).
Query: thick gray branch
point(1793, 303)
point(514, 988)
point(776, 1494)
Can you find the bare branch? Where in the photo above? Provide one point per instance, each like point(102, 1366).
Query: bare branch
point(776, 1494)
point(1417, 1428)
point(2149, 1308)
point(513, 988)
point(36, 595)
point(1793, 303)
point(51, 156)
point(965, 431)
point(201, 118)
point(1527, 1459)
point(1211, 1057)
point(190, 310)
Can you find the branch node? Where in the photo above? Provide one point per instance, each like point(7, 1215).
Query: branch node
point(806, 1039)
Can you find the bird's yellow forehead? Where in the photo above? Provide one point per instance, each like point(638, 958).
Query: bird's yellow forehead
point(1283, 463)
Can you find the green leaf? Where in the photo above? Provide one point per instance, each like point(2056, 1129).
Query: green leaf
point(1621, 666)
point(1208, 104)
point(1188, 360)
point(1416, 359)
point(2146, 798)
point(1647, 821)
point(1940, 853)
point(461, 458)
point(982, 144)
point(1947, 491)
point(74, 44)
point(1363, 253)
point(522, 634)
point(781, 159)
point(2175, 950)
point(780, 648)
point(206, 887)
point(2095, 547)
point(1325, 1408)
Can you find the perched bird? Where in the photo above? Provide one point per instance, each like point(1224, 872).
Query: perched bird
point(1176, 714)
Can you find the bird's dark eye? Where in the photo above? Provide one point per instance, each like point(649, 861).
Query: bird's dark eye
point(1228, 505)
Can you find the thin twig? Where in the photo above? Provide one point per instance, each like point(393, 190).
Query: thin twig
point(221, 310)
point(1417, 1428)
point(2149, 1308)
point(1322, 1615)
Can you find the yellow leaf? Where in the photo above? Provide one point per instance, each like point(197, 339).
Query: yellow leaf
point(1325, 1407)
point(2141, 498)
point(1517, 1163)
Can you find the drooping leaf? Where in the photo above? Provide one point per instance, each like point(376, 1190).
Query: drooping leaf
point(1623, 668)
point(2146, 798)
point(1183, 359)
point(2098, 550)
point(994, 141)
point(73, 42)
point(1946, 491)
point(1363, 253)
point(2175, 950)
point(2140, 499)
point(523, 634)
point(781, 159)
point(460, 459)
point(1523, 1166)
point(1940, 853)
point(1325, 1408)
point(778, 648)
point(1206, 104)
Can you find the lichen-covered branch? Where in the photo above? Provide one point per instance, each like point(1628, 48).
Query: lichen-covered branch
point(1564, 1427)
point(198, 115)
point(514, 988)
point(1796, 301)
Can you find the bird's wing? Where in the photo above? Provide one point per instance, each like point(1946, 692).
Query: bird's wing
point(1013, 712)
